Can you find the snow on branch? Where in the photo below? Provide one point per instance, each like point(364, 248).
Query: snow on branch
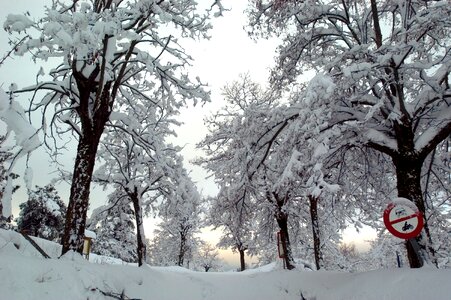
point(13, 115)
point(26, 138)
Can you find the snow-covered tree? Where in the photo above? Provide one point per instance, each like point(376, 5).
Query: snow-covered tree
point(183, 213)
point(148, 171)
point(162, 249)
point(143, 168)
point(233, 214)
point(166, 247)
point(110, 52)
point(389, 62)
point(254, 147)
point(42, 215)
point(141, 177)
point(5, 174)
point(386, 251)
point(26, 140)
point(207, 258)
point(437, 192)
point(115, 229)
point(232, 157)
point(175, 242)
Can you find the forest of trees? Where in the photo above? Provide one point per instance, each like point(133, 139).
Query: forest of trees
point(304, 156)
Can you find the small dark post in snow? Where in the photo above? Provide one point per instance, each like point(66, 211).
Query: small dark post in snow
point(398, 259)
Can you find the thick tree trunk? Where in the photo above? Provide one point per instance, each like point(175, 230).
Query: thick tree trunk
point(315, 231)
point(74, 230)
point(282, 221)
point(182, 249)
point(242, 261)
point(92, 125)
point(140, 236)
point(408, 175)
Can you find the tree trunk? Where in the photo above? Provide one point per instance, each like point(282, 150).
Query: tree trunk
point(282, 221)
point(74, 230)
point(2, 218)
point(182, 249)
point(140, 237)
point(315, 231)
point(92, 125)
point(242, 261)
point(408, 175)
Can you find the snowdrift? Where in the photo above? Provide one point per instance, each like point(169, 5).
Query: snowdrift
point(27, 275)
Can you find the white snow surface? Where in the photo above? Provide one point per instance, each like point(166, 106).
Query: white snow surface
point(90, 234)
point(27, 275)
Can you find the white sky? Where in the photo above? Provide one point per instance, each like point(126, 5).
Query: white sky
point(217, 61)
point(229, 53)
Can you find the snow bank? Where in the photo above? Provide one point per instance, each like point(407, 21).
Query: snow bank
point(33, 277)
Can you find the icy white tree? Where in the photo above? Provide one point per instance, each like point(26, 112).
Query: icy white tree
point(42, 215)
point(386, 251)
point(110, 52)
point(390, 64)
point(255, 147)
point(162, 249)
point(149, 173)
point(5, 175)
point(182, 214)
point(172, 246)
point(175, 242)
point(232, 212)
point(233, 158)
point(139, 169)
point(300, 156)
point(26, 140)
point(115, 228)
point(207, 258)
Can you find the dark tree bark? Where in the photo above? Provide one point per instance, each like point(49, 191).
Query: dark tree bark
point(315, 231)
point(282, 221)
point(3, 220)
point(79, 195)
point(140, 237)
point(408, 174)
point(242, 259)
point(182, 249)
point(92, 126)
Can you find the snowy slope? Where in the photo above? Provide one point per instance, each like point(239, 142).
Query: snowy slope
point(26, 275)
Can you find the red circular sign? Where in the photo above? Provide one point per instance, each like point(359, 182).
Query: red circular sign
point(403, 219)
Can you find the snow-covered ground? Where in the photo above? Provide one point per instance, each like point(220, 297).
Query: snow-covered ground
point(26, 275)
